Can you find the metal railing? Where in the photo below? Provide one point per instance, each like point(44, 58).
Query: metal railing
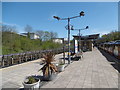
point(111, 48)
point(13, 59)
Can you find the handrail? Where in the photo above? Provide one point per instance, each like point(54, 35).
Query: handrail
point(13, 59)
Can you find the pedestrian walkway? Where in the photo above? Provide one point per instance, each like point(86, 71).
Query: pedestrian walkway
point(92, 71)
point(13, 76)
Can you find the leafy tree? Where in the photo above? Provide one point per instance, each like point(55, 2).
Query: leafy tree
point(40, 33)
point(8, 28)
point(28, 29)
point(45, 35)
point(112, 36)
point(15, 43)
point(53, 35)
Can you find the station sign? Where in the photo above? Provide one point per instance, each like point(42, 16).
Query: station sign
point(76, 46)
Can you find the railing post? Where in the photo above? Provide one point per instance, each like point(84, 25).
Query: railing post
point(26, 57)
point(19, 59)
point(7, 61)
point(12, 62)
point(31, 56)
point(3, 64)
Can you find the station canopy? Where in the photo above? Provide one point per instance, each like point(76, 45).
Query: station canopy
point(88, 37)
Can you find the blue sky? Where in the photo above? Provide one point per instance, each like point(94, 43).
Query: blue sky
point(101, 17)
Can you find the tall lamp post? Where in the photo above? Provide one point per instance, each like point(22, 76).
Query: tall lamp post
point(68, 19)
point(79, 35)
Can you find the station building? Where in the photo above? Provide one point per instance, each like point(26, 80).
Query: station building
point(84, 43)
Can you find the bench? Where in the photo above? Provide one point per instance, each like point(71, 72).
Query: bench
point(77, 56)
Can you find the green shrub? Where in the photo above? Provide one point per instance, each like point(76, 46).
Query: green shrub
point(14, 43)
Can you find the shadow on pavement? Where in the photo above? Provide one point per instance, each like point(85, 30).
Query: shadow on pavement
point(73, 58)
point(114, 61)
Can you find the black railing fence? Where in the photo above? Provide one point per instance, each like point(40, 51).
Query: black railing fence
point(13, 59)
point(112, 48)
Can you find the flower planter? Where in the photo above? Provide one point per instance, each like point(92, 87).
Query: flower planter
point(33, 85)
point(49, 69)
point(49, 77)
point(61, 68)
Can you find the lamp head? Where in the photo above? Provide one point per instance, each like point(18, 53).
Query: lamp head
point(56, 17)
point(87, 27)
point(82, 13)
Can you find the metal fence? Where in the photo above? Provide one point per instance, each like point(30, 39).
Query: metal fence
point(112, 48)
point(13, 59)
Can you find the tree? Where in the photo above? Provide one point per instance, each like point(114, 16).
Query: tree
point(28, 29)
point(40, 33)
point(49, 35)
point(53, 35)
point(46, 36)
point(112, 36)
point(8, 28)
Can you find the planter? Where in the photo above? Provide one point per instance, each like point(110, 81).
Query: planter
point(50, 77)
point(56, 65)
point(61, 68)
point(33, 85)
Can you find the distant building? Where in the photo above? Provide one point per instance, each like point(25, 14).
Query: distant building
point(59, 40)
point(32, 35)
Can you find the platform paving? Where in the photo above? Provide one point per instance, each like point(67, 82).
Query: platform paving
point(92, 71)
point(13, 76)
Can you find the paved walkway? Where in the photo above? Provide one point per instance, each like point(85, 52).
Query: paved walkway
point(93, 71)
point(12, 77)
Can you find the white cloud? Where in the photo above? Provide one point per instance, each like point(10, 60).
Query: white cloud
point(10, 24)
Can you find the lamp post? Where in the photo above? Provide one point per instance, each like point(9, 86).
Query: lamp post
point(68, 19)
point(79, 34)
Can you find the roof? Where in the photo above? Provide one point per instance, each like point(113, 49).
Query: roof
point(117, 42)
point(57, 38)
point(93, 36)
point(27, 33)
point(60, 38)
